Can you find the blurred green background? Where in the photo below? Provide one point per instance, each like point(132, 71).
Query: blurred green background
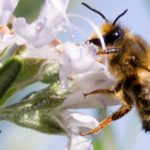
point(124, 134)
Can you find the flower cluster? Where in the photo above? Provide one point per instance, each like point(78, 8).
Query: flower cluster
point(55, 73)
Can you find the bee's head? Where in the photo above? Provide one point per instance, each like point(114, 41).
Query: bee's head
point(110, 30)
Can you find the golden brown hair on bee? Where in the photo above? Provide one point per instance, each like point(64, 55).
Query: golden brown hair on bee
point(129, 62)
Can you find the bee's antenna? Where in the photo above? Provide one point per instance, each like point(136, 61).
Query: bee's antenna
point(94, 10)
point(119, 16)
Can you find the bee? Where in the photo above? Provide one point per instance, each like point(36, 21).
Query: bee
point(128, 58)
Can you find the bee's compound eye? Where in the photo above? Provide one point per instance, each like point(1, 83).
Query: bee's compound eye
point(112, 36)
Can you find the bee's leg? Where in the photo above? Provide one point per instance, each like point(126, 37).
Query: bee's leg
point(100, 91)
point(105, 91)
point(109, 51)
point(124, 109)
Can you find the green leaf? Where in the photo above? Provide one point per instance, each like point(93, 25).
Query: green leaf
point(39, 112)
point(51, 75)
point(33, 70)
point(8, 73)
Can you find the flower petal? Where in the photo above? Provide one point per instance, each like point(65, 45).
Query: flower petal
point(79, 143)
point(45, 28)
point(79, 120)
point(87, 76)
point(74, 121)
point(77, 59)
point(6, 9)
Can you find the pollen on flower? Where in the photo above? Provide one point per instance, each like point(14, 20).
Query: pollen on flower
point(57, 43)
point(4, 30)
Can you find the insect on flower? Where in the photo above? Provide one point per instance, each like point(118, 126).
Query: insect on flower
point(128, 61)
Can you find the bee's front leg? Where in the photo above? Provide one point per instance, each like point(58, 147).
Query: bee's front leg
point(100, 91)
point(105, 91)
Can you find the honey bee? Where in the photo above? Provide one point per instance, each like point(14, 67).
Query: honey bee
point(128, 61)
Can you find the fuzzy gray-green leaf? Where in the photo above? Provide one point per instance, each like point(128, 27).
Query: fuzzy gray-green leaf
point(39, 112)
point(32, 71)
point(8, 73)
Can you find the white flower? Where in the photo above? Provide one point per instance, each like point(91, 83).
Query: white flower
point(49, 52)
point(80, 60)
point(7, 37)
point(74, 122)
point(46, 27)
point(6, 9)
